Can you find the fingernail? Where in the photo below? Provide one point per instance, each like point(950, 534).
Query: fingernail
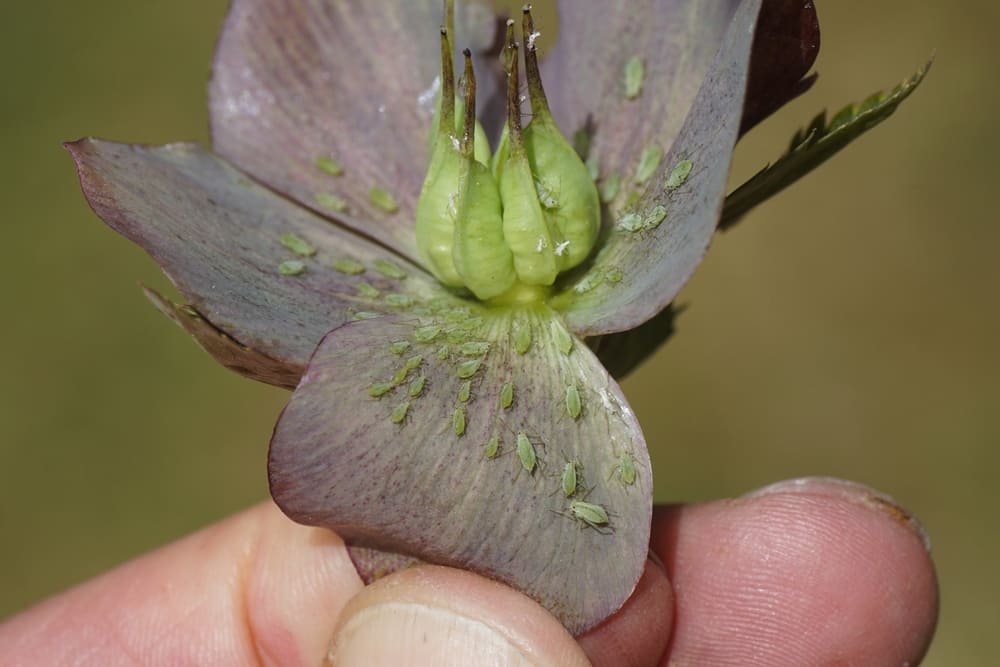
point(407, 633)
point(853, 492)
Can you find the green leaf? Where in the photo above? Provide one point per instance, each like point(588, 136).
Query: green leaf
point(814, 145)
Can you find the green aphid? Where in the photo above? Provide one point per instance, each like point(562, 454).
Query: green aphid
point(573, 404)
point(291, 267)
point(398, 300)
point(417, 386)
point(427, 334)
point(635, 75)
point(330, 201)
point(613, 276)
point(366, 290)
point(401, 375)
point(474, 348)
point(467, 369)
point(399, 412)
point(610, 187)
point(458, 421)
point(399, 347)
point(443, 353)
point(656, 215)
point(506, 395)
point(364, 315)
point(562, 338)
point(522, 338)
point(592, 514)
point(388, 269)
point(298, 245)
point(679, 174)
point(413, 363)
point(588, 282)
point(329, 166)
point(626, 469)
point(648, 163)
point(492, 449)
point(379, 389)
point(526, 452)
point(569, 479)
point(348, 266)
point(631, 222)
point(465, 391)
point(382, 199)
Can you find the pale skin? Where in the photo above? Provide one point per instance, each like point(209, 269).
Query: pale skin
point(814, 572)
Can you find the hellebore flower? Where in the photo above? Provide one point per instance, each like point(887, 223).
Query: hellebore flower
point(441, 307)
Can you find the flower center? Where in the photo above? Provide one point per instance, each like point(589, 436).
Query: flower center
point(503, 226)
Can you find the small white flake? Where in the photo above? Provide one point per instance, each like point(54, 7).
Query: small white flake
point(542, 244)
point(561, 248)
point(381, 108)
point(456, 144)
point(531, 39)
point(427, 100)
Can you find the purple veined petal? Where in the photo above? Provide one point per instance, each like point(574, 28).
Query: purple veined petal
point(271, 276)
point(318, 98)
point(784, 49)
point(447, 438)
point(654, 244)
point(674, 43)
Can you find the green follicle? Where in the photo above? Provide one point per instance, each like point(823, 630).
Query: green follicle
point(458, 421)
point(348, 267)
point(399, 412)
point(498, 225)
point(573, 404)
point(298, 245)
point(492, 449)
point(382, 199)
point(417, 387)
point(388, 269)
point(331, 201)
point(474, 348)
point(568, 481)
point(526, 452)
point(465, 391)
point(467, 369)
point(398, 300)
point(648, 163)
point(634, 75)
point(399, 347)
point(291, 267)
point(679, 175)
point(329, 166)
point(379, 389)
point(427, 334)
point(506, 395)
point(367, 291)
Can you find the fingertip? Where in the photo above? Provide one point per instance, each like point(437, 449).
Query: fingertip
point(808, 572)
point(638, 633)
point(431, 615)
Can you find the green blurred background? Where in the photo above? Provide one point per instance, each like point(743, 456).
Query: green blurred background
point(847, 328)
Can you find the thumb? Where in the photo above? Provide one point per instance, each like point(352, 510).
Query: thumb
point(433, 615)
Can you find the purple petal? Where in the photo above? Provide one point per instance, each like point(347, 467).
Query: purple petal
point(655, 243)
point(222, 240)
point(784, 49)
point(399, 460)
point(296, 81)
point(675, 40)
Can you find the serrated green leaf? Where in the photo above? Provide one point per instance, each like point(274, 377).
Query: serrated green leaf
point(814, 145)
